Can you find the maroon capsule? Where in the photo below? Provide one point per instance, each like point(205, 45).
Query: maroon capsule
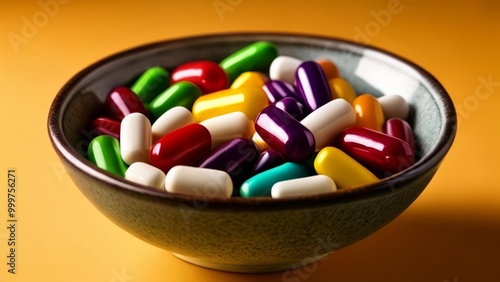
point(313, 85)
point(291, 106)
point(377, 151)
point(284, 134)
point(121, 101)
point(236, 157)
point(184, 146)
point(277, 90)
point(207, 75)
point(266, 160)
point(400, 129)
point(105, 126)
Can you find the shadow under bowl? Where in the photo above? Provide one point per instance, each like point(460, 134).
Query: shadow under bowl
point(259, 234)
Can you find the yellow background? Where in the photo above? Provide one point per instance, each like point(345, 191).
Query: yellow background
point(451, 233)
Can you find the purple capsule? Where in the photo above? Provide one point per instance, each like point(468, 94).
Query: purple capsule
point(266, 160)
point(291, 106)
point(313, 85)
point(236, 157)
point(277, 90)
point(284, 134)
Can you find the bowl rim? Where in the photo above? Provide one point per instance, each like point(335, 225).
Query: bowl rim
point(386, 185)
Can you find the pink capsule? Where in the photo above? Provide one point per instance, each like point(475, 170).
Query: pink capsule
point(377, 151)
point(207, 75)
point(121, 101)
point(106, 126)
point(400, 129)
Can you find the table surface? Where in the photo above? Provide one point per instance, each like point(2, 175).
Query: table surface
point(450, 233)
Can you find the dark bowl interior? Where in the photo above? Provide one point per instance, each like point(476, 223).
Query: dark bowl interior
point(368, 69)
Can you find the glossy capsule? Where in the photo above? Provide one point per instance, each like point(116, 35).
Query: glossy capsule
point(377, 151)
point(291, 106)
point(259, 142)
point(171, 120)
point(249, 101)
point(328, 121)
point(329, 68)
point(340, 88)
point(104, 152)
point(101, 126)
point(254, 57)
point(260, 185)
point(151, 83)
point(249, 79)
point(400, 129)
point(207, 75)
point(236, 157)
point(305, 186)
point(146, 174)
point(283, 69)
point(121, 101)
point(394, 106)
point(277, 90)
point(285, 134)
point(267, 160)
point(342, 169)
point(203, 183)
point(183, 93)
point(368, 111)
point(135, 138)
point(184, 146)
point(312, 84)
point(228, 126)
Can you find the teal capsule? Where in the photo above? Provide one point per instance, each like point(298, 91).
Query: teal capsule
point(104, 152)
point(254, 57)
point(260, 185)
point(182, 93)
point(151, 83)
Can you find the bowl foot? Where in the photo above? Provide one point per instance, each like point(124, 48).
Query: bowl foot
point(258, 268)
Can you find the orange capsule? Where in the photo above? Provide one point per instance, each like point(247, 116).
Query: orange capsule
point(369, 112)
point(340, 88)
point(329, 68)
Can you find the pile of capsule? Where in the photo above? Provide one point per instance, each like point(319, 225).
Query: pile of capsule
point(254, 125)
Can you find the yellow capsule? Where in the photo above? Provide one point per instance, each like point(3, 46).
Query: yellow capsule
point(250, 101)
point(329, 68)
point(340, 88)
point(342, 169)
point(369, 112)
point(249, 79)
point(259, 142)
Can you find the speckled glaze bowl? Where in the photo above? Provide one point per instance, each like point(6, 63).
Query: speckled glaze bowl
point(260, 234)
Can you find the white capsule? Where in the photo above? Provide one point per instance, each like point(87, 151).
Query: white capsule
point(283, 68)
point(200, 182)
point(394, 106)
point(228, 126)
point(135, 138)
point(171, 120)
point(328, 121)
point(145, 174)
point(311, 185)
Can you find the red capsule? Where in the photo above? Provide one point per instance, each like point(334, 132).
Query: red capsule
point(121, 101)
point(400, 129)
point(184, 146)
point(207, 75)
point(377, 151)
point(105, 126)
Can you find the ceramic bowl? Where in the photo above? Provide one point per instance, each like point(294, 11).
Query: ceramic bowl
point(260, 234)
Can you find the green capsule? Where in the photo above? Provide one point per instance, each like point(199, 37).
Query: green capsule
point(260, 185)
point(182, 93)
point(104, 152)
point(254, 57)
point(151, 83)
